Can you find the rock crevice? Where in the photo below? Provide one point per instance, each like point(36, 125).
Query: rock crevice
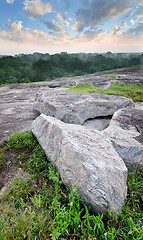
point(77, 108)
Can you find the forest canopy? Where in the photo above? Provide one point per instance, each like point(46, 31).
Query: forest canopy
point(43, 67)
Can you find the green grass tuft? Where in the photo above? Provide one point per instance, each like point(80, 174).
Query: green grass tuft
point(111, 76)
point(133, 68)
point(81, 88)
point(135, 92)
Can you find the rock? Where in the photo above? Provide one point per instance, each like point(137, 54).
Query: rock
point(126, 134)
point(85, 159)
point(78, 108)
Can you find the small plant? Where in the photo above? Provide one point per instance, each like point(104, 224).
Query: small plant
point(140, 84)
point(106, 126)
point(122, 84)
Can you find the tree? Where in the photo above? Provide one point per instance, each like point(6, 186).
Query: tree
point(42, 68)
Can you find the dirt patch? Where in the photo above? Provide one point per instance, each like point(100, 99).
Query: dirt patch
point(8, 177)
point(12, 167)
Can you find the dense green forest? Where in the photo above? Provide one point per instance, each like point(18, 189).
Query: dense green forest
point(43, 67)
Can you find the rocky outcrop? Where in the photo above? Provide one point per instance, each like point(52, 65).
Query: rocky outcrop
point(85, 159)
point(102, 79)
point(16, 101)
point(78, 108)
point(126, 133)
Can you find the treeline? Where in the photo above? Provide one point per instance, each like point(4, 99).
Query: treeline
point(43, 67)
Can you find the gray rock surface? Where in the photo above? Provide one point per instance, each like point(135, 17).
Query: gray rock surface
point(98, 123)
point(77, 108)
point(16, 107)
point(86, 159)
point(16, 101)
point(101, 79)
point(126, 133)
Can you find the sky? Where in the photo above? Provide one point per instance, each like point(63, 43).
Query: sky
point(53, 26)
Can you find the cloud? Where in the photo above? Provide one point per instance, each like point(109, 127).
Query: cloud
point(16, 32)
point(36, 8)
point(97, 11)
point(57, 31)
point(93, 34)
point(62, 20)
point(136, 32)
point(116, 29)
point(52, 26)
point(140, 13)
point(124, 24)
point(133, 21)
point(140, 2)
point(10, 1)
point(16, 26)
point(39, 35)
point(17, 39)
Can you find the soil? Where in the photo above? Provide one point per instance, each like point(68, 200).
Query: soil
point(12, 167)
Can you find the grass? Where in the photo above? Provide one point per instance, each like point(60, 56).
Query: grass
point(135, 92)
point(111, 76)
point(138, 77)
point(132, 68)
point(39, 206)
point(82, 88)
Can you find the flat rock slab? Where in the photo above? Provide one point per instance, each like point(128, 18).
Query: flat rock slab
point(101, 79)
point(16, 107)
point(126, 133)
point(85, 159)
point(77, 108)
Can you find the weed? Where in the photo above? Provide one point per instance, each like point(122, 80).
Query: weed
point(19, 140)
point(106, 126)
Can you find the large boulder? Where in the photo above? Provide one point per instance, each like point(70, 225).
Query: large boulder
point(126, 133)
point(85, 159)
point(78, 108)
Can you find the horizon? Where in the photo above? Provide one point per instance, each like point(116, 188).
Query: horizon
point(31, 53)
point(72, 26)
